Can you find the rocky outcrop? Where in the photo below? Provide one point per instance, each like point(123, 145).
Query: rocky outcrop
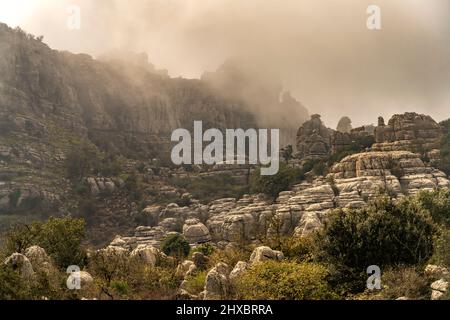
point(408, 131)
point(350, 184)
point(313, 139)
point(360, 176)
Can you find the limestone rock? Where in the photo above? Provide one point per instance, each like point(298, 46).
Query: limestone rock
point(196, 232)
point(313, 139)
point(435, 271)
point(406, 131)
point(147, 254)
point(86, 280)
point(38, 258)
point(186, 268)
point(440, 285)
point(20, 262)
point(217, 283)
point(309, 223)
point(238, 270)
point(264, 253)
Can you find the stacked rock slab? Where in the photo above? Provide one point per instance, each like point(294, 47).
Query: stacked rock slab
point(407, 131)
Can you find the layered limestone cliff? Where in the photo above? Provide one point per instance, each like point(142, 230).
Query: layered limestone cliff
point(408, 131)
point(350, 184)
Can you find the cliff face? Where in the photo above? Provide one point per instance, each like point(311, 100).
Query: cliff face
point(407, 131)
point(122, 106)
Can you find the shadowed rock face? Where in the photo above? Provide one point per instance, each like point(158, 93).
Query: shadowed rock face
point(407, 131)
point(124, 107)
point(313, 139)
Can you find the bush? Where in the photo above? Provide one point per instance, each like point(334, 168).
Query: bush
point(299, 249)
point(211, 187)
point(383, 233)
point(120, 277)
point(404, 282)
point(205, 248)
point(133, 187)
point(274, 280)
point(196, 283)
point(273, 185)
point(230, 256)
point(175, 245)
point(442, 252)
point(80, 161)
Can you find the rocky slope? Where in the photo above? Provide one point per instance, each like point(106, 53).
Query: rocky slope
point(350, 184)
point(51, 101)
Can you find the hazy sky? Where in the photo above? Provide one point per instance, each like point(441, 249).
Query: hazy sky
point(321, 49)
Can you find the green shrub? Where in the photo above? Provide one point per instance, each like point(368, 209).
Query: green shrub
point(14, 198)
point(442, 251)
point(437, 202)
point(211, 187)
point(274, 184)
point(81, 160)
point(205, 248)
point(175, 245)
point(62, 239)
point(133, 187)
point(300, 249)
point(196, 283)
point(230, 256)
point(274, 280)
point(383, 233)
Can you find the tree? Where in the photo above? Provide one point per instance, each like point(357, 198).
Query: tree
point(62, 239)
point(175, 245)
point(344, 125)
point(437, 202)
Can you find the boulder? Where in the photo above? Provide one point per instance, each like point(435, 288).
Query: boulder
point(217, 283)
point(439, 288)
point(146, 254)
point(186, 268)
point(264, 253)
point(86, 280)
point(38, 258)
point(309, 223)
point(20, 262)
point(238, 270)
point(196, 232)
point(435, 271)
